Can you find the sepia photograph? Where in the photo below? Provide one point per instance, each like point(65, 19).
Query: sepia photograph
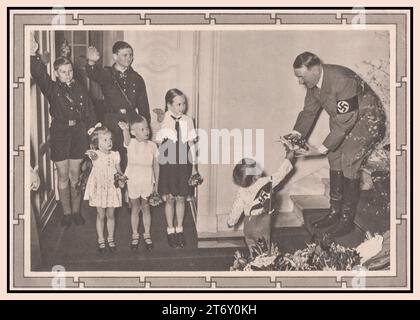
point(209, 149)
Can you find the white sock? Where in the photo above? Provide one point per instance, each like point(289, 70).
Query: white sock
point(170, 230)
point(179, 229)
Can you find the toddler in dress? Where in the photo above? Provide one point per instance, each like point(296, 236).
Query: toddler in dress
point(142, 173)
point(100, 189)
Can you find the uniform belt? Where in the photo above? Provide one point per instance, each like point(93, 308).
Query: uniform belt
point(121, 111)
point(65, 123)
point(124, 111)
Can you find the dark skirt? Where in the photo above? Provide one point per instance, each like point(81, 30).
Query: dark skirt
point(173, 179)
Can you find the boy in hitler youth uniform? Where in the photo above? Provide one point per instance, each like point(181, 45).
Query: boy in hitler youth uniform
point(71, 115)
point(357, 123)
point(123, 88)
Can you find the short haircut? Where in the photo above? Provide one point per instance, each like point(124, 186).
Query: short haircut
point(119, 45)
point(137, 119)
point(94, 137)
point(61, 61)
point(245, 171)
point(307, 59)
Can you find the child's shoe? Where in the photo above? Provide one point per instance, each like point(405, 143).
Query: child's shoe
point(148, 242)
point(101, 247)
point(66, 220)
point(180, 240)
point(111, 245)
point(78, 219)
point(172, 240)
point(134, 245)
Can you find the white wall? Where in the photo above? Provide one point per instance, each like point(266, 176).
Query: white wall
point(165, 59)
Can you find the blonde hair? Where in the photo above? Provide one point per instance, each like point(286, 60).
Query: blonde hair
point(94, 137)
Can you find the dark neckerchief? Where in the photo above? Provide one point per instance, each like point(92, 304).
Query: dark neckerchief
point(64, 85)
point(120, 74)
point(178, 134)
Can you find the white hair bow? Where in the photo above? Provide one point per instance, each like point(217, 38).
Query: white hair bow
point(91, 130)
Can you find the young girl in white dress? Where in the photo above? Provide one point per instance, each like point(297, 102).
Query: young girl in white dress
point(142, 173)
point(100, 189)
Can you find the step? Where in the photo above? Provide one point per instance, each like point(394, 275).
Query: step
point(220, 239)
point(287, 219)
point(310, 202)
point(221, 243)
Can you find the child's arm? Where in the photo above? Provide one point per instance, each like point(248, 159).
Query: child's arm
point(93, 71)
point(284, 169)
point(118, 167)
point(126, 132)
point(192, 140)
point(237, 210)
point(193, 153)
point(117, 160)
point(39, 71)
point(156, 169)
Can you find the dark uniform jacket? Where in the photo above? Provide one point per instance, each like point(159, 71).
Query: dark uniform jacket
point(343, 95)
point(122, 90)
point(67, 102)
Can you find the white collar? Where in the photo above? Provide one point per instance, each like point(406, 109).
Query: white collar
point(321, 78)
point(171, 114)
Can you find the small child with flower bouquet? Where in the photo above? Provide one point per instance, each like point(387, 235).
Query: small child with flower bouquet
point(254, 196)
point(143, 176)
point(100, 187)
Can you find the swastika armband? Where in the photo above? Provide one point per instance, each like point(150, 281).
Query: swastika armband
point(347, 105)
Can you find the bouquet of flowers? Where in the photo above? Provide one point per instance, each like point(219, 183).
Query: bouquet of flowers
point(85, 169)
point(155, 199)
point(320, 255)
point(195, 180)
point(120, 180)
point(294, 142)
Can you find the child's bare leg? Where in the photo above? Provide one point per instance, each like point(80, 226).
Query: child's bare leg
point(74, 174)
point(64, 191)
point(169, 213)
point(110, 225)
point(147, 221)
point(135, 212)
point(147, 217)
point(100, 224)
point(180, 212)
